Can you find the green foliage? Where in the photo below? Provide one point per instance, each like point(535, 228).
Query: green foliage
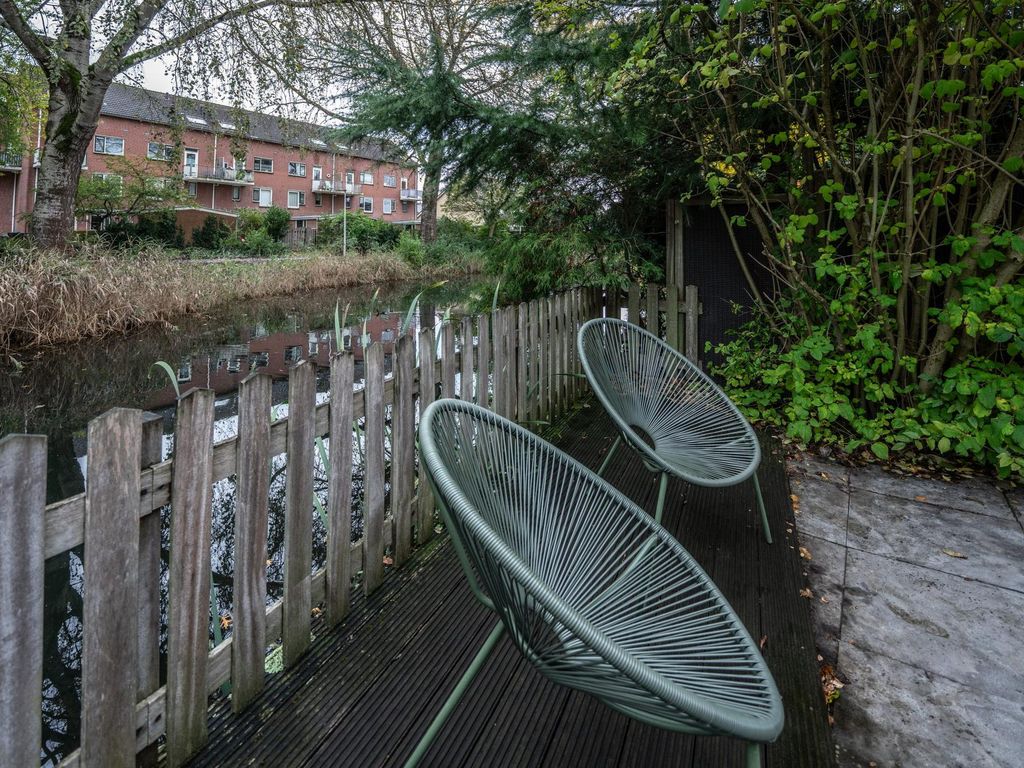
point(211, 234)
point(410, 248)
point(275, 223)
point(365, 233)
point(159, 227)
point(253, 242)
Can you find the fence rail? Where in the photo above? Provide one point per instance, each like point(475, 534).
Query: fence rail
point(521, 361)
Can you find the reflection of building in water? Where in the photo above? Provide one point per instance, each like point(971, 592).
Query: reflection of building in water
point(223, 367)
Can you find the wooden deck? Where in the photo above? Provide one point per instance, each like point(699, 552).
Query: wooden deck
point(366, 692)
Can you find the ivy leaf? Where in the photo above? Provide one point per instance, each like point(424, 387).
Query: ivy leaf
point(881, 450)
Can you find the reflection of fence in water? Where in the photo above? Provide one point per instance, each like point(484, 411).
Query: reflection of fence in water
point(271, 511)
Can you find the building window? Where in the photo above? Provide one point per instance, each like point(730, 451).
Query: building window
point(236, 194)
point(193, 189)
point(318, 173)
point(158, 151)
point(366, 177)
point(366, 204)
point(108, 145)
point(300, 223)
point(389, 205)
point(390, 181)
point(292, 354)
point(405, 183)
point(297, 169)
point(348, 201)
point(387, 335)
point(318, 200)
point(350, 178)
point(296, 199)
point(405, 207)
point(262, 196)
point(263, 165)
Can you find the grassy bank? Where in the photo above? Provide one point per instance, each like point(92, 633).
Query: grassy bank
point(47, 299)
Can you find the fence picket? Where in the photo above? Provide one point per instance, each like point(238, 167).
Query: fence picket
point(483, 385)
point(448, 359)
point(634, 304)
point(298, 511)
point(466, 378)
point(248, 631)
point(22, 570)
point(500, 372)
point(403, 439)
point(373, 498)
point(339, 490)
point(522, 348)
point(692, 311)
point(425, 497)
point(542, 367)
point(652, 310)
point(188, 613)
point(672, 316)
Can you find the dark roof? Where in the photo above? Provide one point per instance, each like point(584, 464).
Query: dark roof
point(148, 106)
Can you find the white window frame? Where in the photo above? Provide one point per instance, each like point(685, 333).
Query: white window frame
point(362, 204)
point(350, 179)
point(164, 152)
point(258, 161)
point(318, 200)
point(236, 194)
point(295, 168)
point(387, 206)
point(257, 196)
point(390, 180)
point(366, 177)
point(405, 183)
point(99, 145)
point(318, 173)
point(300, 198)
point(193, 189)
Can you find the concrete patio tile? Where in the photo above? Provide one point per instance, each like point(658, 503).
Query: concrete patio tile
point(813, 466)
point(825, 572)
point(895, 714)
point(918, 532)
point(971, 495)
point(822, 507)
point(964, 630)
point(1016, 498)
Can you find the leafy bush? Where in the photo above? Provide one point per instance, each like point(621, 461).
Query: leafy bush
point(211, 234)
point(364, 232)
point(410, 248)
point(276, 221)
point(249, 219)
point(160, 227)
point(254, 242)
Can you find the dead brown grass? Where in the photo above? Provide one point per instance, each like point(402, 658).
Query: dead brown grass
point(48, 299)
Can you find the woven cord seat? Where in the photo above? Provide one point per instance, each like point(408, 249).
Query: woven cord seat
point(595, 593)
point(669, 410)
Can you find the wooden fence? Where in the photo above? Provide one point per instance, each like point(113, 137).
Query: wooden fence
point(520, 361)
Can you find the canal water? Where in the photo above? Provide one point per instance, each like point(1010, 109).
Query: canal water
point(58, 391)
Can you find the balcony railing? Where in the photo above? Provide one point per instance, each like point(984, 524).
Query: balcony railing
point(235, 177)
point(10, 161)
point(411, 194)
point(329, 187)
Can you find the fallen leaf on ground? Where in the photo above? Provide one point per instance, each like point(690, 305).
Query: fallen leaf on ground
point(388, 560)
point(831, 685)
point(806, 592)
point(824, 475)
point(805, 553)
point(954, 553)
point(764, 641)
point(225, 622)
point(920, 498)
point(824, 598)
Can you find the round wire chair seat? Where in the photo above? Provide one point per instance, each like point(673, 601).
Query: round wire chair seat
point(594, 592)
point(648, 388)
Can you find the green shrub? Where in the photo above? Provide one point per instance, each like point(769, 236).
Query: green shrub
point(211, 234)
point(255, 242)
point(364, 232)
point(249, 219)
point(276, 221)
point(410, 248)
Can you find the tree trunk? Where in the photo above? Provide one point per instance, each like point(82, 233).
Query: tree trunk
point(70, 124)
point(428, 217)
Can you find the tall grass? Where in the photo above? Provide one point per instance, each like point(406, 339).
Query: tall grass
point(48, 299)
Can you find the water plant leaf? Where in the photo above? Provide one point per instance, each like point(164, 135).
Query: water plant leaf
point(170, 375)
point(494, 301)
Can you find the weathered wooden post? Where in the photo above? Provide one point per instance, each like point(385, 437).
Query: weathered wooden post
point(339, 489)
point(373, 476)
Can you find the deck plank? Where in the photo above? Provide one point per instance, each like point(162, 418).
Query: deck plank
point(367, 690)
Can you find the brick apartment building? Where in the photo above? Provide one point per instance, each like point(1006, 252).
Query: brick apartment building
point(227, 159)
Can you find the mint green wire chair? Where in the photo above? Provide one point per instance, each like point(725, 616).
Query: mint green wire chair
point(594, 592)
point(669, 410)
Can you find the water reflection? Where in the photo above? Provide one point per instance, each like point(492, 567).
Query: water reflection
point(58, 392)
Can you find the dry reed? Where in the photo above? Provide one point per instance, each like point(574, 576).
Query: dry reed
point(48, 299)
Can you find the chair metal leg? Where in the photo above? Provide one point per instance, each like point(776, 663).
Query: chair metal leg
point(662, 488)
point(453, 699)
point(608, 458)
point(764, 514)
point(753, 755)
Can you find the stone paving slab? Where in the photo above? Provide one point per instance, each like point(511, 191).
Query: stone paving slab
point(931, 647)
point(822, 507)
point(971, 495)
point(963, 630)
point(917, 532)
point(896, 714)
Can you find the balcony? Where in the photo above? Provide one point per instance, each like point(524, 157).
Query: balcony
point(329, 187)
point(10, 161)
point(411, 194)
point(232, 177)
